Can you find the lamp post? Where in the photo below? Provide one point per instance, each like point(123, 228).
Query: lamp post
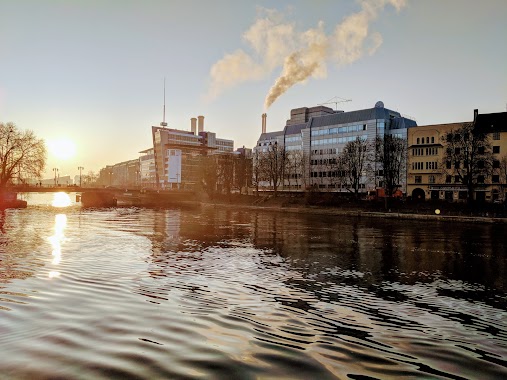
point(80, 168)
point(56, 172)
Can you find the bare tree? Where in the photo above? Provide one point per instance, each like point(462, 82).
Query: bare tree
point(225, 167)
point(22, 155)
point(391, 152)
point(503, 175)
point(356, 160)
point(209, 175)
point(275, 164)
point(468, 157)
point(259, 169)
point(242, 172)
point(90, 178)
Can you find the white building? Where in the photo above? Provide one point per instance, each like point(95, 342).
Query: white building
point(319, 134)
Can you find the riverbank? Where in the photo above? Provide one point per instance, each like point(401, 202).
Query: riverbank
point(435, 211)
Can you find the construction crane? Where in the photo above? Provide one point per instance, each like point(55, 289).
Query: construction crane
point(335, 100)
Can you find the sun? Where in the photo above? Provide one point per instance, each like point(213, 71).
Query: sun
point(62, 149)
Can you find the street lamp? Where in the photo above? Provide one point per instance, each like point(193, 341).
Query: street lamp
point(80, 168)
point(56, 173)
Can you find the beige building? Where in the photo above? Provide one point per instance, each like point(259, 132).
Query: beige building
point(177, 153)
point(425, 155)
point(426, 178)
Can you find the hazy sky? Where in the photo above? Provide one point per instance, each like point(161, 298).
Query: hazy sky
point(93, 71)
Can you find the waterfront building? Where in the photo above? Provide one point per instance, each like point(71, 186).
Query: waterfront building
point(147, 177)
point(123, 174)
point(313, 138)
point(426, 150)
point(177, 153)
point(426, 176)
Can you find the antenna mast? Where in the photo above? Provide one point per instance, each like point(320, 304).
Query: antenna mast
point(335, 101)
point(163, 123)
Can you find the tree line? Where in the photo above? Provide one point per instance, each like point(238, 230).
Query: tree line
point(382, 162)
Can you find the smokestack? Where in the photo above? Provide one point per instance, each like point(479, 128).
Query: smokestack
point(193, 125)
point(264, 116)
point(476, 113)
point(201, 123)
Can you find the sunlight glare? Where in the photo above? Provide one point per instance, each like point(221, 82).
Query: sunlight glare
point(62, 149)
point(61, 200)
point(57, 239)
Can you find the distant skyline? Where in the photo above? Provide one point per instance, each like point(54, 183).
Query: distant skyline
point(92, 72)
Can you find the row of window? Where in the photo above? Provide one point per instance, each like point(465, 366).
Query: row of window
point(430, 165)
point(332, 131)
point(455, 179)
point(433, 151)
point(183, 138)
point(431, 179)
point(330, 161)
point(338, 140)
point(427, 139)
point(326, 151)
point(293, 139)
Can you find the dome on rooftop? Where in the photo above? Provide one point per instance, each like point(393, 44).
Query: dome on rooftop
point(379, 104)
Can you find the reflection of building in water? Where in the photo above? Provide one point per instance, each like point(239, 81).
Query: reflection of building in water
point(369, 251)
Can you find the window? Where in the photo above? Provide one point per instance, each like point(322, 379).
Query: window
point(448, 164)
point(418, 179)
point(456, 164)
point(480, 179)
point(496, 149)
point(433, 140)
point(427, 140)
point(456, 179)
point(448, 179)
point(431, 179)
point(418, 140)
point(480, 164)
point(495, 178)
point(496, 164)
point(480, 150)
point(456, 150)
point(496, 135)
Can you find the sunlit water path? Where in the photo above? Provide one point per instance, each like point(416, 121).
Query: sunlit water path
point(220, 293)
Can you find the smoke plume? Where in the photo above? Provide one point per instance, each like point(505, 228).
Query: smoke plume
point(275, 43)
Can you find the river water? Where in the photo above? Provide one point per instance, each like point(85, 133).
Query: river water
point(223, 293)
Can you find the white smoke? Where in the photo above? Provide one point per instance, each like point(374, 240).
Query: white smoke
point(276, 43)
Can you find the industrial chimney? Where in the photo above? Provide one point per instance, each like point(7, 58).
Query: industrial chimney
point(201, 123)
point(264, 116)
point(193, 125)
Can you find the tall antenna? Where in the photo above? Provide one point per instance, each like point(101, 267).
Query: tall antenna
point(163, 123)
point(335, 101)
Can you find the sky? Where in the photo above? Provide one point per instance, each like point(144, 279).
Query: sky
point(92, 72)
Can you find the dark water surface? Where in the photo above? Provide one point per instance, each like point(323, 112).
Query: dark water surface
point(220, 293)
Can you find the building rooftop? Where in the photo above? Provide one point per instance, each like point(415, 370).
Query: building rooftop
point(491, 122)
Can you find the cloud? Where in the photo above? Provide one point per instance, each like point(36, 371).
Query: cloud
point(276, 43)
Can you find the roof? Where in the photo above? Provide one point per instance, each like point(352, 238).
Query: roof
point(270, 135)
point(294, 129)
point(353, 117)
point(491, 122)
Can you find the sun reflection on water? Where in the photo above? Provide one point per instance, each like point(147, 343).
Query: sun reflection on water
point(61, 200)
point(56, 241)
